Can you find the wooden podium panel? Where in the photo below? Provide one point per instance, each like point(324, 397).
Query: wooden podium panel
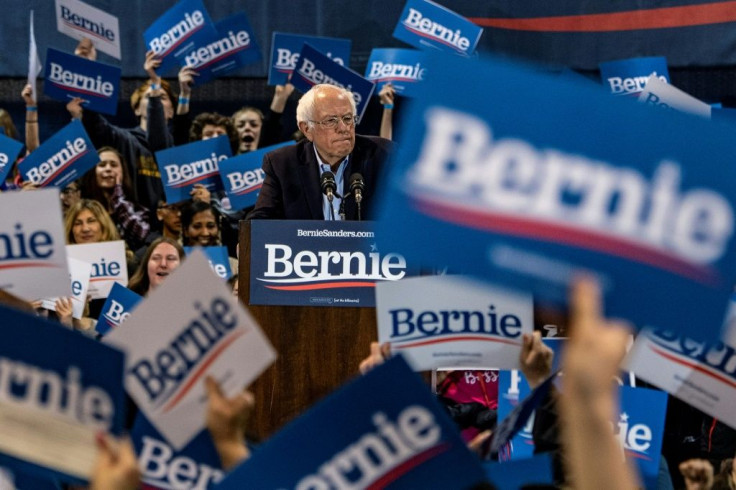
point(319, 348)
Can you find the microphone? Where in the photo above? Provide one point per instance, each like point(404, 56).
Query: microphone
point(329, 187)
point(357, 186)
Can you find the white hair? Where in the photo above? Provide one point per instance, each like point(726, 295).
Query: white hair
point(305, 108)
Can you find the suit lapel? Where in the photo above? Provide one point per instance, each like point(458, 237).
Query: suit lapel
point(309, 174)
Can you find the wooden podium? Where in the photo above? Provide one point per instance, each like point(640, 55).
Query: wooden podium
point(318, 349)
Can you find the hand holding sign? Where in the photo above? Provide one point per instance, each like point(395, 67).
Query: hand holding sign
point(226, 421)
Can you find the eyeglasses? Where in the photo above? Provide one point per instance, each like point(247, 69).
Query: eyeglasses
point(170, 207)
point(69, 190)
point(331, 122)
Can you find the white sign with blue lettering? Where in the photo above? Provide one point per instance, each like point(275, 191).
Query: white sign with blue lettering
point(69, 76)
point(662, 95)
point(285, 50)
point(108, 265)
point(452, 321)
point(699, 373)
point(425, 24)
point(629, 76)
point(33, 260)
point(184, 166)
point(402, 68)
point(78, 20)
point(79, 272)
point(180, 335)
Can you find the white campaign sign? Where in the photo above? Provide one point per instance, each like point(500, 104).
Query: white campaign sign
point(452, 321)
point(180, 335)
point(32, 255)
point(667, 96)
point(108, 265)
point(699, 374)
point(77, 20)
point(79, 272)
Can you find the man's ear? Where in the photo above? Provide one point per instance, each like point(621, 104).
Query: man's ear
point(307, 130)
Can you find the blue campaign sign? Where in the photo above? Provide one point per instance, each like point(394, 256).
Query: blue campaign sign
point(118, 306)
point(512, 387)
point(242, 176)
point(234, 47)
point(196, 466)
point(64, 157)
point(9, 149)
point(218, 258)
point(402, 68)
point(69, 76)
point(285, 50)
point(640, 428)
point(529, 180)
point(396, 436)
point(319, 263)
point(314, 67)
point(535, 470)
point(425, 24)
point(183, 27)
point(54, 374)
point(194, 163)
point(628, 77)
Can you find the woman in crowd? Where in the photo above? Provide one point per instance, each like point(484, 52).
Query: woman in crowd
point(162, 257)
point(200, 226)
point(110, 185)
point(88, 222)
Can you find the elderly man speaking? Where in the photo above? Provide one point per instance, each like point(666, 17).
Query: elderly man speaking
point(332, 174)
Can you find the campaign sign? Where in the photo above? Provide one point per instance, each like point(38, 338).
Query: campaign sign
point(182, 28)
point(69, 76)
point(452, 321)
point(218, 258)
point(108, 265)
point(319, 263)
point(60, 388)
point(314, 67)
point(664, 96)
point(9, 149)
point(194, 163)
point(78, 20)
point(33, 260)
point(425, 24)
point(117, 308)
point(235, 47)
point(242, 176)
point(640, 428)
point(402, 68)
point(507, 176)
point(64, 157)
point(534, 470)
point(197, 466)
point(699, 373)
point(285, 50)
point(79, 273)
point(397, 436)
point(180, 335)
point(629, 76)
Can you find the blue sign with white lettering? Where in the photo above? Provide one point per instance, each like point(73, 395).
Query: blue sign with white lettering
point(425, 24)
point(640, 428)
point(69, 76)
point(52, 373)
point(196, 465)
point(628, 77)
point(118, 306)
point(398, 436)
point(319, 263)
point(182, 28)
point(402, 68)
point(64, 157)
point(512, 475)
point(194, 163)
point(9, 149)
point(242, 176)
point(285, 50)
point(314, 67)
point(218, 258)
point(509, 176)
point(235, 47)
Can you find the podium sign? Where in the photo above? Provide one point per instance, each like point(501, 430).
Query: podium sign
point(319, 263)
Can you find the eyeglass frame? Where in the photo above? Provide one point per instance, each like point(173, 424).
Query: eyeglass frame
point(336, 119)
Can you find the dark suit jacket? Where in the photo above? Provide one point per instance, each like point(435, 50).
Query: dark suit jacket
point(291, 189)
